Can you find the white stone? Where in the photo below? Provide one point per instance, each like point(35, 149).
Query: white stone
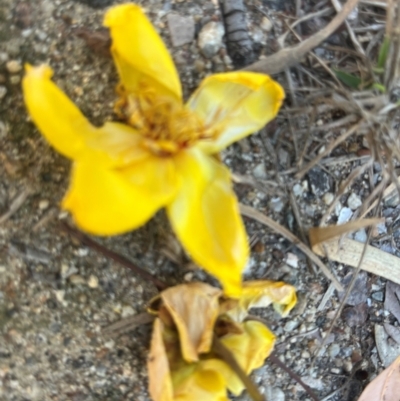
point(344, 215)
point(127, 311)
point(93, 281)
point(354, 201)
point(13, 66)
point(181, 29)
point(210, 38)
point(3, 91)
point(44, 204)
point(328, 198)
point(260, 171)
point(266, 24)
point(298, 190)
point(276, 204)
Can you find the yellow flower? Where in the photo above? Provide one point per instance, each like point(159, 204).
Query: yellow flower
point(183, 365)
point(164, 156)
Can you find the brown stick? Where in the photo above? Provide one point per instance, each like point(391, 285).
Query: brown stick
point(290, 56)
point(122, 260)
point(274, 359)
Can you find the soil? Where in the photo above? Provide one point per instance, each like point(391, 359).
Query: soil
point(56, 294)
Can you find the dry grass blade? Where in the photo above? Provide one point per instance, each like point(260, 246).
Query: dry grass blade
point(328, 149)
point(392, 65)
point(326, 241)
point(122, 326)
point(290, 56)
point(384, 387)
point(256, 215)
point(16, 204)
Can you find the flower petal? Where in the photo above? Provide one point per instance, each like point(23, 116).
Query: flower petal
point(106, 201)
point(261, 293)
point(249, 349)
point(205, 217)
point(195, 328)
point(160, 383)
point(139, 52)
point(234, 105)
point(201, 384)
point(57, 118)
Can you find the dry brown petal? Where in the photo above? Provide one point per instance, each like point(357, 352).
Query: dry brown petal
point(194, 308)
point(160, 384)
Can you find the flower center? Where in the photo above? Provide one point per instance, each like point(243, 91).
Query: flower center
point(166, 125)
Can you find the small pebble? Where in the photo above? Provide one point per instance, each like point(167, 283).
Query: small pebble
point(292, 260)
point(181, 29)
point(188, 276)
point(291, 325)
point(13, 66)
point(266, 24)
point(276, 204)
point(298, 190)
point(127, 311)
point(319, 180)
point(76, 279)
point(93, 281)
point(354, 201)
point(44, 204)
point(344, 215)
point(378, 296)
point(333, 350)
point(3, 91)
point(260, 172)
point(328, 198)
point(210, 38)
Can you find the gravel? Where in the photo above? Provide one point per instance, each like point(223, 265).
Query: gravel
point(56, 295)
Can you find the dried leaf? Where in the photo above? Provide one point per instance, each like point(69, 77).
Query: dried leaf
point(194, 309)
point(160, 383)
point(388, 350)
point(324, 242)
point(384, 387)
point(392, 299)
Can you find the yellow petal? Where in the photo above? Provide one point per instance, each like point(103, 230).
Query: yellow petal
point(160, 383)
point(194, 308)
point(205, 217)
point(57, 118)
point(106, 201)
point(139, 53)
point(201, 384)
point(234, 105)
point(117, 145)
point(261, 293)
point(249, 349)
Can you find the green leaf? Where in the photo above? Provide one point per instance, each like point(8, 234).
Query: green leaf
point(348, 79)
point(383, 52)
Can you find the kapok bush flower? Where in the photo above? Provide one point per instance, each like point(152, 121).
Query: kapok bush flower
point(182, 364)
point(163, 156)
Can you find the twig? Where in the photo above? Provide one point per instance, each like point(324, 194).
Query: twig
point(122, 260)
point(256, 215)
point(275, 359)
point(15, 205)
point(130, 323)
point(230, 360)
point(290, 56)
point(328, 149)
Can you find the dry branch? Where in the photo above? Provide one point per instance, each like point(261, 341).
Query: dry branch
point(290, 56)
